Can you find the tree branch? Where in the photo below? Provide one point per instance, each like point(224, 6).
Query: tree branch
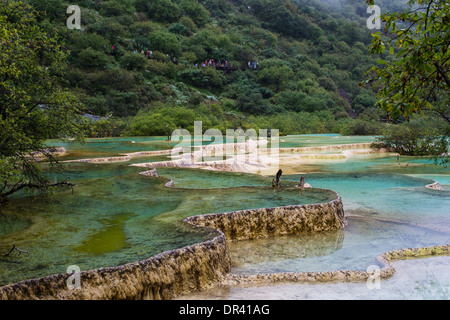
point(31, 185)
point(442, 72)
point(443, 115)
point(15, 248)
point(427, 14)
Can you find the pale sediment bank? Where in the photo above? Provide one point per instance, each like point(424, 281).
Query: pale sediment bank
point(256, 151)
point(241, 226)
point(127, 156)
point(248, 157)
point(55, 152)
point(338, 147)
point(103, 160)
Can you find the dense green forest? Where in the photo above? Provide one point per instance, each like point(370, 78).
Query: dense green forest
point(294, 65)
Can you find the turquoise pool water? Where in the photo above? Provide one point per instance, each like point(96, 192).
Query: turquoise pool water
point(115, 216)
point(385, 212)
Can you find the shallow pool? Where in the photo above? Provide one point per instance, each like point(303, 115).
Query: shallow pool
point(115, 216)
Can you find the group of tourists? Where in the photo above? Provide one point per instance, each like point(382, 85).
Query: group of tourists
point(115, 49)
point(215, 63)
point(221, 63)
point(147, 53)
point(252, 65)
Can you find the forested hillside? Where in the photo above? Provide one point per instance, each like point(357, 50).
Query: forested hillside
point(294, 65)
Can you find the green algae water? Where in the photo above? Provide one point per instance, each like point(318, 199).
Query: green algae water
point(115, 216)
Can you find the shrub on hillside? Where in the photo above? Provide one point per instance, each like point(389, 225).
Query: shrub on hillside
point(419, 137)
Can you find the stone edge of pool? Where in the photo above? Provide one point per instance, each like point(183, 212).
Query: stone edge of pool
point(201, 266)
point(185, 270)
point(191, 158)
point(387, 271)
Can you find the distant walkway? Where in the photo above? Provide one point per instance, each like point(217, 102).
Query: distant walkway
point(222, 65)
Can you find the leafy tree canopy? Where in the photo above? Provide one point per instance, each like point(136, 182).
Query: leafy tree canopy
point(413, 75)
point(34, 104)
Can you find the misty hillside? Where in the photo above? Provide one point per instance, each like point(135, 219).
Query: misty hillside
point(293, 64)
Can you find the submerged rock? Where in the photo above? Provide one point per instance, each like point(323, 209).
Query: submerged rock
point(150, 173)
point(303, 184)
point(170, 184)
point(434, 186)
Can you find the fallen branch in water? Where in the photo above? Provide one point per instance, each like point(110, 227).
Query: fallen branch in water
point(19, 250)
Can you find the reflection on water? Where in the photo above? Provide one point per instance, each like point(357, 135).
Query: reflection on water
point(116, 216)
point(415, 279)
point(355, 249)
point(251, 256)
